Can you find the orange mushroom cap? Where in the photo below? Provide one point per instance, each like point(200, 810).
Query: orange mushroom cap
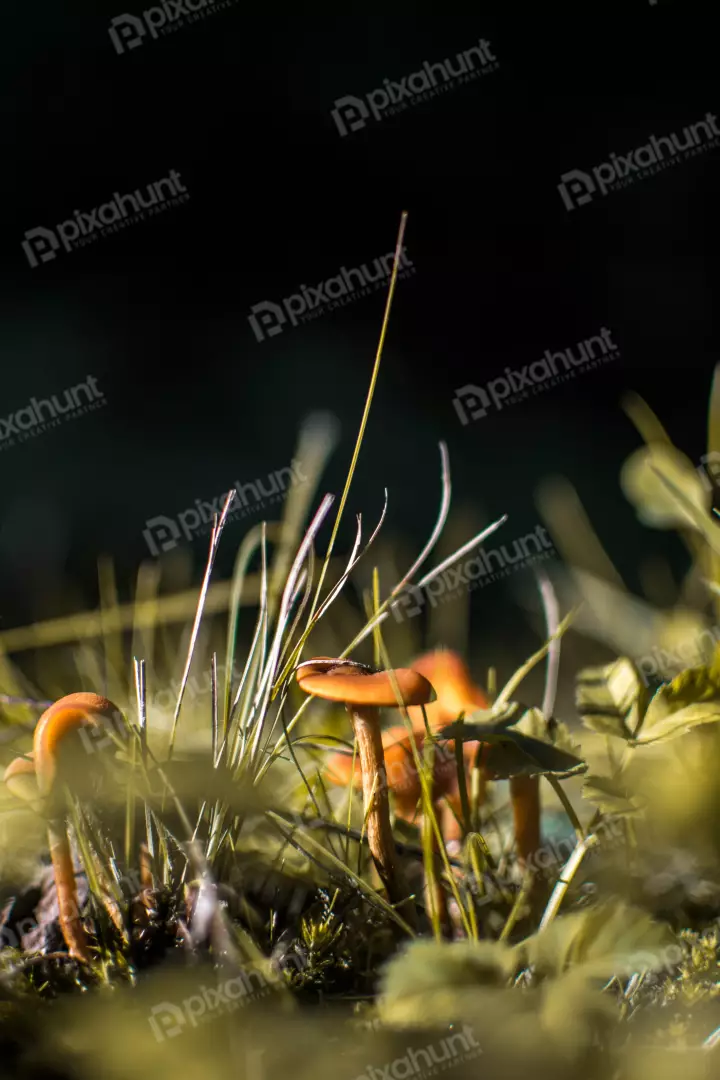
point(68, 714)
point(456, 691)
point(357, 684)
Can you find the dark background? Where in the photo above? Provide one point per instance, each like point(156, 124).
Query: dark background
point(239, 104)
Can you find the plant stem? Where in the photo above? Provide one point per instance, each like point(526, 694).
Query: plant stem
point(462, 783)
point(566, 876)
point(366, 411)
point(567, 805)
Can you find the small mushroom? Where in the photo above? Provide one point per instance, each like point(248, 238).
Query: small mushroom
point(455, 689)
point(456, 693)
point(363, 692)
point(402, 776)
point(71, 714)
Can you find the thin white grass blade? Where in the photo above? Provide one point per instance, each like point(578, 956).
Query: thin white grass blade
point(445, 499)
point(451, 559)
point(218, 527)
point(265, 687)
point(552, 622)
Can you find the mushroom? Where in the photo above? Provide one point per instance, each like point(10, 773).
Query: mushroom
point(404, 785)
point(402, 777)
point(457, 693)
point(455, 689)
point(71, 714)
point(363, 692)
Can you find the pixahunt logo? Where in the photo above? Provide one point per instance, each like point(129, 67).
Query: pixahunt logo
point(473, 402)
point(168, 1019)
point(129, 31)
point(165, 533)
point(577, 188)
point(661, 664)
point(41, 245)
point(268, 319)
point(43, 414)
point(427, 1061)
point(352, 113)
point(479, 570)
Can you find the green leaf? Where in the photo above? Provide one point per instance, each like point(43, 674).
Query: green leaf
point(680, 722)
point(433, 981)
point(609, 795)
point(651, 479)
point(428, 965)
point(611, 699)
point(667, 714)
point(700, 683)
point(574, 1014)
point(498, 718)
point(514, 754)
point(613, 938)
point(533, 724)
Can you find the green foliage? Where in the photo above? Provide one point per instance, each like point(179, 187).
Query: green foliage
point(513, 753)
point(611, 700)
point(665, 489)
point(609, 939)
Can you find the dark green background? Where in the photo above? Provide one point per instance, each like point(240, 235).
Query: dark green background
point(240, 105)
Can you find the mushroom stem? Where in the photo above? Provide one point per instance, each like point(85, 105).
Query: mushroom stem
point(363, 693)
point(525, 798)
point(21, 779)
point(366, 725)
point(71, 924)
point(71, 714)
